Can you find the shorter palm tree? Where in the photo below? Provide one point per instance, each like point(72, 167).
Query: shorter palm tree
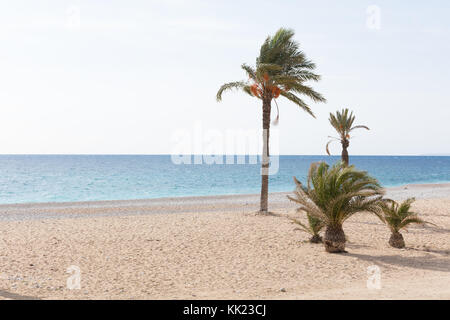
point(397, 217)
point(313, 228)
point(343, 123)
point(333, 195)
point(315, 225)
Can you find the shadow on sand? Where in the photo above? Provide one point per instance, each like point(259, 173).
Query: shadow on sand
point(14, 296)
point(425, 262)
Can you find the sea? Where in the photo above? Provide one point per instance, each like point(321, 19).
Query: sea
point(61, 178)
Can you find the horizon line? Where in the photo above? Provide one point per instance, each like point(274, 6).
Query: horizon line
point(198, 154)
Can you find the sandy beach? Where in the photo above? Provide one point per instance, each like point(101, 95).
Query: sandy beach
point(216, 248)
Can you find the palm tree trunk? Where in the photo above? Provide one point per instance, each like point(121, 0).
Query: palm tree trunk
point(396, 240)
point(265, 156)
point(316, 239)
point(334, 239)
point(344, 155)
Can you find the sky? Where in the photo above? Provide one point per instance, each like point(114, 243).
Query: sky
point(124, 77)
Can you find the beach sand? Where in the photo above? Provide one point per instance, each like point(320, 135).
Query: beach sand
point(216, 248)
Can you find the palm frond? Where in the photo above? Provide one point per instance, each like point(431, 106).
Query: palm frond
point(313, 227)
point(232, 85)
point(399, 216)
point(251, 72)
point(327, 147)
point(307, 91)
point(333, 194)
point(359, 127)
point(281, 69)
point(293, 98)
point(342, 122)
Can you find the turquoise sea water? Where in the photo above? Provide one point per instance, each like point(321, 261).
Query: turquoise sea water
point(49, 178)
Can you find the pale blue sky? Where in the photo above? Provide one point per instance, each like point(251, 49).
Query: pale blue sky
point(134, 72)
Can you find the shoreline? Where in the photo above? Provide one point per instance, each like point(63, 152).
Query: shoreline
point(442, 186)
point(213, 203)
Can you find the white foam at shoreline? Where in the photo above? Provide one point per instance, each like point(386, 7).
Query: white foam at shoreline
point(222, 203)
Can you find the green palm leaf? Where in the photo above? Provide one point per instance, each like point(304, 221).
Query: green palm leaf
point(342, 122)
point(333, 194)
point(280, 64)
point(399, 216)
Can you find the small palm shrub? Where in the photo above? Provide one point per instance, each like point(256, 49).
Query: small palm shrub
point(398, 216)
point(314, 225)
point(334, 194)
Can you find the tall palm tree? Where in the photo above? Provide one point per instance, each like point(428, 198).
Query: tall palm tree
point(397, 217)
point(281, 70)
point(343, 123)
point(333, 195)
